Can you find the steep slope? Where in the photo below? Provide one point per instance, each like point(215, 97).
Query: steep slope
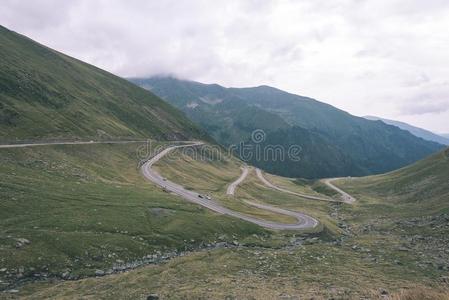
point(416, 131)
point(342, 144)
point(47, 95)
point(424, 182)
point(315, 157)
point(374, 146)
point(214, 108)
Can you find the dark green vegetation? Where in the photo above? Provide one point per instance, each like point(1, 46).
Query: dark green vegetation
point(214, 108)
point(419, 132)
point(87, 207)
point(334, 143)
point(317, 157)
point(387, 241)
point(47, 95)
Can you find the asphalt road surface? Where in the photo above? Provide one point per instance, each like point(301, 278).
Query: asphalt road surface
point(345, 196)
point(233, 186)
point(68, 143)
point(269, 184)
point(303, 221)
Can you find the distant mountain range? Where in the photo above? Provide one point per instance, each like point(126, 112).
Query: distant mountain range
point(46, 95)
point(419, 132)
point(333, 142)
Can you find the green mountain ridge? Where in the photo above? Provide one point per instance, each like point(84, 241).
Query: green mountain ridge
point(343, 144)
point(416, 131)
point(222, 114)
point(48, 95)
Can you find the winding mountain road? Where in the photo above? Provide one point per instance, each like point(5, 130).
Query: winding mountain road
point(67, 143)
point(269, 184)
point(345, 196)
point(233, 186)
point(303, 221)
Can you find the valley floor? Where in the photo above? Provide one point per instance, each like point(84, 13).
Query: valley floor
point(72, 212)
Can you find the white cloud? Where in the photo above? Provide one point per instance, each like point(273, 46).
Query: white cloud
point(376, 57)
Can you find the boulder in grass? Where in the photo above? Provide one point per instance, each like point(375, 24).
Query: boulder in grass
point(20, 242)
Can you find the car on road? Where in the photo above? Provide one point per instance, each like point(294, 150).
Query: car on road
point(200, 196)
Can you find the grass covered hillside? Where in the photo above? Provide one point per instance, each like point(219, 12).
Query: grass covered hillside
point(423, 185)
point(70, 210)
point(372, 249)
point(45, 94)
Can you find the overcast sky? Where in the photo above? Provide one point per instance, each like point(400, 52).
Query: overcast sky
point(388, 58)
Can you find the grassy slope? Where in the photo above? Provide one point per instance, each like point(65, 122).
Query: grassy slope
point(205, 172)
point(85, 206)
point(47, 95)
point(210, 172)
point(292, 184)
point(372, 249)
point(314, 272)
point(336, 218)
point(421, 186)
point(254, 190)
